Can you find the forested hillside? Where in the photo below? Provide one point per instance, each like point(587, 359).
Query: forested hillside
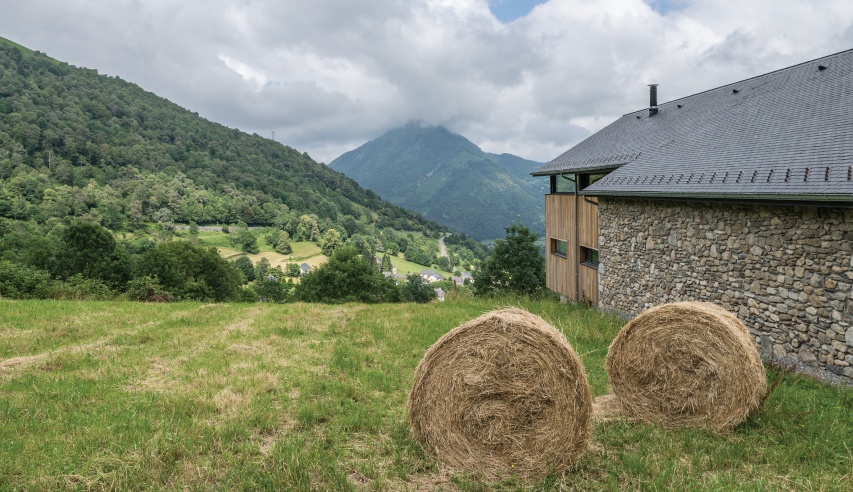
point(74, 143)
point(95, 173)
point(449, 179)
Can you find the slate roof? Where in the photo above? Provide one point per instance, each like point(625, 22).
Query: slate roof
point(431, 273)
point(785, 135)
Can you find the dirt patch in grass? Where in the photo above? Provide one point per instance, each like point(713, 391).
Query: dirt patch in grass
point(243, 324)
point(17, 361)
point(247, 349)
point(230, 402)
point(44, 359)
point(441, 480)
point(157, 378)
point(267, 440)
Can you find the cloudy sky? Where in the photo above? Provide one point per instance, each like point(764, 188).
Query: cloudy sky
point(522, 76)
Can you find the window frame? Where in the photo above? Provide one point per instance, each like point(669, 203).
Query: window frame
point(589, 257)
point(555, 179)
point(555, 250)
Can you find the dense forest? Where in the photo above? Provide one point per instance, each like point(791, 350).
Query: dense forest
point(74, 143)
point(84, 156)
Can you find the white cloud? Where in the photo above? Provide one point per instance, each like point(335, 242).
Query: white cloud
point(248, 73)
point(328, 75)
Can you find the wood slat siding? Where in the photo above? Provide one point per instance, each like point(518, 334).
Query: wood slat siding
point(588, 223)
point(588, 283)
point(559, 224)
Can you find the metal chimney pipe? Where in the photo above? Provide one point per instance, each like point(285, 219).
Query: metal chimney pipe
point(653, 99)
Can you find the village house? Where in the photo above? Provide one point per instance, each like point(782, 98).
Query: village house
point(304, 269)
point(462, 278)
point(439, 294)
point(741, 195)
point(431, 276)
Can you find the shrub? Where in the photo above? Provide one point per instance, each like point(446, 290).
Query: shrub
point(147, 289)
point(346, 277)
point(416, 290)
point(22, 281)
point(272, 290)
point(188, 271)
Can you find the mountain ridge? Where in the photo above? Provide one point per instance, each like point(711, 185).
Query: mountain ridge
point(78, 144)
point(449, 179)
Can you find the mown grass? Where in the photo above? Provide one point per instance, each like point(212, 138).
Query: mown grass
point(405, 267)
point(312, 397)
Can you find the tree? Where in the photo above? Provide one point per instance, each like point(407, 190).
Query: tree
point(272, 236)
point(283, 245)
point(245, 265)
point(419, 255)
point(307, 229)
point(331, 241)
point(346, 277)
point(515, 265)
point(416, 290)
point(363, 244)
point(91, 251)
point(386, 263)
point(244, 238)
point(262, 267)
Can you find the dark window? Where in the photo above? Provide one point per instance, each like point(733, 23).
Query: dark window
point(563, 183)
point(589, 257)
point(587, 180)
point(559, 248)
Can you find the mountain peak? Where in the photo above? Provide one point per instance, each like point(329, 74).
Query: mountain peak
point(448, 178)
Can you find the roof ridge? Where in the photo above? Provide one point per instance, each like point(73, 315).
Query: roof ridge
point(745, 80)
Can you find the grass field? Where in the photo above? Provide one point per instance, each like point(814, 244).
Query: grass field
point(405, 267)
point(312, 397)
point(303, 252)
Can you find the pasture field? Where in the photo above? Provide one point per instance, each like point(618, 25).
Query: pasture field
point(193, 396)
point(405, 267)
point(303, 252)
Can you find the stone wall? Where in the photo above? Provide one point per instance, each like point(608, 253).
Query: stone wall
point(785, 271)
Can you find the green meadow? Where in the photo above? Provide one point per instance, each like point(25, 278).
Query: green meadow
point(193, 396)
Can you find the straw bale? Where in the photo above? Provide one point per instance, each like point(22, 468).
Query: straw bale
point(686, 364)
point(502, 394)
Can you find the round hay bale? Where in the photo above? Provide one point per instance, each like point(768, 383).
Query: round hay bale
point(502, 394)
point(686, 364)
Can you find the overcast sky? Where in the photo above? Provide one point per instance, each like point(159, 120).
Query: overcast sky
point(527, 77)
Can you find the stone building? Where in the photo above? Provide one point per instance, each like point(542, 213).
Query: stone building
point(741, 195)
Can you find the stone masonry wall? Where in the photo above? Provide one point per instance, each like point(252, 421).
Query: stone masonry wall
point(786, 272)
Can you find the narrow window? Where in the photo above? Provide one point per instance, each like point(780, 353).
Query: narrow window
point(563, 183)
point(589, 257)
point(559, 248)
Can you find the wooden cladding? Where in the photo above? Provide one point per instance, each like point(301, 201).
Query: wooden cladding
point(588, 284)
point(570, 218)
point(560, 270)
point(587, 223)
point(557, 209)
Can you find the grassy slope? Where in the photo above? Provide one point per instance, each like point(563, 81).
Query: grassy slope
point(194, 396)
point(406, 267)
